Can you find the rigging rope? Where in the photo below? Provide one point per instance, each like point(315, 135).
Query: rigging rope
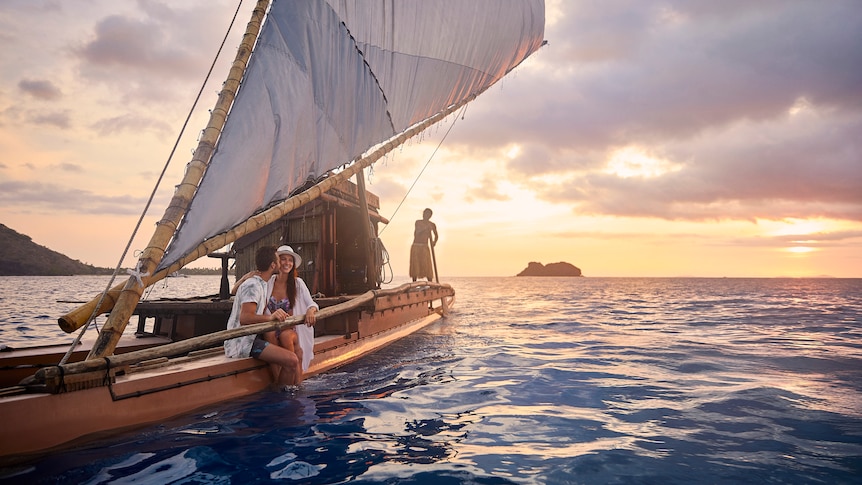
point(381, 261)
point(153, 194)
point(392, 217)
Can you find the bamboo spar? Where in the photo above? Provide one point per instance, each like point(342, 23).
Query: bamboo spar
point(132, 290)
point(279, 210)
point(77, 318)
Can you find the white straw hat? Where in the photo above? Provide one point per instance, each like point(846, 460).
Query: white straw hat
point(297, 259)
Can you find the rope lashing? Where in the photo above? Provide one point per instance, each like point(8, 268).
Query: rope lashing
point(137, 274)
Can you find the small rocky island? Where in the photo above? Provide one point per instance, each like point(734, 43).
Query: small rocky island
point(552, 269)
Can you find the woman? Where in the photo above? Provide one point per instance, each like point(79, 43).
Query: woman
point(288, 292)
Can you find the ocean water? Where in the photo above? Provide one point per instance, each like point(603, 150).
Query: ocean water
point(529, 380)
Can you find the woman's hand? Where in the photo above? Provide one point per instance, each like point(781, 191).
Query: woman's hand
point(310, 316)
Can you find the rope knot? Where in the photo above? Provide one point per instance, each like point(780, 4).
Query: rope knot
point(137, 274)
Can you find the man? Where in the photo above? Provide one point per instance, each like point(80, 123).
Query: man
point(420, 253)
point(248, 309)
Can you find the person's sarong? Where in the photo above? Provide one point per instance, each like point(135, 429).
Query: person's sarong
point(420, 262)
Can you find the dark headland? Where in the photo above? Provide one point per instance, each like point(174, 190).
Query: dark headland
point(552, 269)
point(23, 257)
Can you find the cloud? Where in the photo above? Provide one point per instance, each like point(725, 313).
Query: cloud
point(129, 123)
point(758, 105)
point(808, 170)
point(40, 89)
point(817, 240)
point(59, 119)
point(820, 239)
point(127, 43)
point(28, 5)
point(385, 187)
point(152, 55)
point(68, 167)
point(487, 190)
point(45, 197)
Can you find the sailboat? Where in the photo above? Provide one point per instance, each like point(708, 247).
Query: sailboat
point(319, 90)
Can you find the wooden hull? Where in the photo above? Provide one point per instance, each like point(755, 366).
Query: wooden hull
point(158, 390)
point(17, 364)
point(40, 422)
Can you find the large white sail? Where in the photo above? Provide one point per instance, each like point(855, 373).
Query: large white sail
point(330, 79)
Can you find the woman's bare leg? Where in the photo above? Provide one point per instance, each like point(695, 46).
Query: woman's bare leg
point(290, 341)
point(287, 362)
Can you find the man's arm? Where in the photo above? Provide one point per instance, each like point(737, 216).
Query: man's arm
point(242, 280)
point(248, 315)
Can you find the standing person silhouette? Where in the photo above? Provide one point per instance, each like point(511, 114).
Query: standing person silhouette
point(420, 252)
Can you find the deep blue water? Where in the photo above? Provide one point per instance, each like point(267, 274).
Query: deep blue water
point(539, 380)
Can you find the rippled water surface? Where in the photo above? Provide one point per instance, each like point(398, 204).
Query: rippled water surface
point(30, 305)
point(530, 380)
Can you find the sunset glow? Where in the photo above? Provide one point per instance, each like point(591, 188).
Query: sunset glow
point(612, 148)
point(632, 162)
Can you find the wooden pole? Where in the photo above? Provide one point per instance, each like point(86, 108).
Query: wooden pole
point(434, 261)
point(370, 261)
point(155, 250)
point(224, 284)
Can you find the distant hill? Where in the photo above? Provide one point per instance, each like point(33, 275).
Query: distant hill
point(201, 271)
point(20, 256)
point(552, 269)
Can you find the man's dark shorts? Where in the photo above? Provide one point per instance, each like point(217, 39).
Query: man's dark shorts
point(257, 347)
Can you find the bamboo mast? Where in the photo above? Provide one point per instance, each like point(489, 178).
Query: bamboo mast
point(131, 292)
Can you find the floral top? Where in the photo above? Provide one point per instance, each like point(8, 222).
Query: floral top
point(272, 305)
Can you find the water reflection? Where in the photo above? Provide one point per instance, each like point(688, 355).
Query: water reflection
point(603, 381)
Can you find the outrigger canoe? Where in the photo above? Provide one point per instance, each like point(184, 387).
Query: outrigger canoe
point(319, 91)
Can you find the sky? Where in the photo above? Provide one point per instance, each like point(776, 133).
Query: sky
point(647, 138)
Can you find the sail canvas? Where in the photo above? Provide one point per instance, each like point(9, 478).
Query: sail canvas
point(330, 79)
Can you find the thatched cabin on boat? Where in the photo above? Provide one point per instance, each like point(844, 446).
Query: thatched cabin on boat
point(338, 244)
